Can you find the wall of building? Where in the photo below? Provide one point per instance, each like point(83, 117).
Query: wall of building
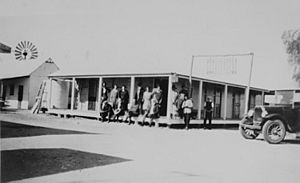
point(37, 77)
point(60, 94)
point(12, 100)
point(229, 104)
point(216, 91)
point(195, 95)
point(82, 100)
point(242, 107)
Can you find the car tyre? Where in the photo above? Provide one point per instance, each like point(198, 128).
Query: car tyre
point(247, 133)
point(274, 131)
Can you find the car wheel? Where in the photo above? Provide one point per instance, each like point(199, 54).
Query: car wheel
point(247, 133)
point(274, 131)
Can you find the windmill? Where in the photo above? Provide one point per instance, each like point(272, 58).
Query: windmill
point(25, 50)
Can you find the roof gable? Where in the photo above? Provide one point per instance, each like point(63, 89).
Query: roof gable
point(14, 69)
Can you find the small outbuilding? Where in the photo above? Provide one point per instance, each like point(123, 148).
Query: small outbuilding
point(20, 81)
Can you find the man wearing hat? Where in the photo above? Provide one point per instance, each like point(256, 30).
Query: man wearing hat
point(208, 108)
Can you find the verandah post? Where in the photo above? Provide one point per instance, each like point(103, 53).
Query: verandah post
point(200, 99)
point(169, 104)
point(73, 94)
point(132, 82)
point(225, 101)
point(99, 94)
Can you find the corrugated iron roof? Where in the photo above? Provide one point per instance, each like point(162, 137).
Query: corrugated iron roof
point(13, 69)
point(136, 72)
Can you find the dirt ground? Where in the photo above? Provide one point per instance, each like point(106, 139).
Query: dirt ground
point(155, 154)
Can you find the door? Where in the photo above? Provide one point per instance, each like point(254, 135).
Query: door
point(20, 96)
point(20, 93)
point(217, 102)
point(4, 93)
point(163, 83)
point(93, 91)
point(236, 97)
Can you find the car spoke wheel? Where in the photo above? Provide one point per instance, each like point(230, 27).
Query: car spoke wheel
point(274, 131)
point(247, 133)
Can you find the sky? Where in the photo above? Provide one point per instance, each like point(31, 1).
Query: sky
point(154, 35)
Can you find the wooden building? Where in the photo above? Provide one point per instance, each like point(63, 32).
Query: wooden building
point(20, 81)
point(79, 94)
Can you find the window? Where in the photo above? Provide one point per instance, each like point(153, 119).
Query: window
point(11, 89)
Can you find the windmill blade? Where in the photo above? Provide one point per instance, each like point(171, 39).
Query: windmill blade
point(19, 58)
point(30, 46)
point(34, 56)
point(18, 54)
point(33, 49)
point(19, 46)
point(17, 51)
point(23, 45)
point(34, 53)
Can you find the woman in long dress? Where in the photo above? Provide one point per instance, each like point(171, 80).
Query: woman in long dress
point(146, 103)
point(113, 96)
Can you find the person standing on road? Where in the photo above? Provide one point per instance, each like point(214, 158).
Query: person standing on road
point(187, 107)
point(113, 96)
point(208, 108)
point(139, 98)
point(124, 96)
point(146, 103)
point(180, 100)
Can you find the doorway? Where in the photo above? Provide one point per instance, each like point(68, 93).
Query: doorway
point(20, 96)
point(164, 86)
point(218, 102)
point(236, 103)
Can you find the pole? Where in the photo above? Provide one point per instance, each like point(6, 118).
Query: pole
point(225, 101)
point(99, 94)
point(190, 78)
point(247, 94)
point(200, 98)
point(169, 104)
point(73, 94)
point(131, 94)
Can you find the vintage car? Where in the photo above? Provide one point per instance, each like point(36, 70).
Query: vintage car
point(273, 120)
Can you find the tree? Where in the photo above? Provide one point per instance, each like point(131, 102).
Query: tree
point(291, 40)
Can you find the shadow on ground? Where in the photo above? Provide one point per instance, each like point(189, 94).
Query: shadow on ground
point(285, 141)
point(226, 126)
point(7, 110)
point(292, 141)
point(9, 130)
point(29, 163)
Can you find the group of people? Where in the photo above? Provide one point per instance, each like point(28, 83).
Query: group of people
point(145, 104)
point(182, 107)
